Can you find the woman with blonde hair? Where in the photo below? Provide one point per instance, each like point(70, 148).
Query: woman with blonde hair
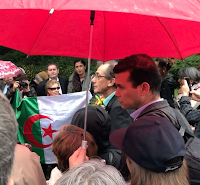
point(52, 88)
point(141, 175)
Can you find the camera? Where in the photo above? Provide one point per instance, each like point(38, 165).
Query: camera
point(23, 84)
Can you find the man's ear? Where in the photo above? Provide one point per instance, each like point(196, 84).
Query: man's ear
point(10, 182)
point(111, 82)
point(144, 88)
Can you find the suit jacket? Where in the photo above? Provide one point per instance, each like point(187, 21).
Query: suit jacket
point(119, 117)
point(41, 91)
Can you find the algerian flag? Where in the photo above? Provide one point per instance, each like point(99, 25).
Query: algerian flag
point(40, 118)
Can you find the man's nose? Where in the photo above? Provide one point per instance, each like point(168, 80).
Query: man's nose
point(117, 93)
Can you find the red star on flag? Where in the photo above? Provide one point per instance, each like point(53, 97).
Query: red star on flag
point(48, 132)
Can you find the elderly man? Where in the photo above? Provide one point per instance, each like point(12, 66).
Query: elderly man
point(53, 71)
point(8, 140)
point(104, 83)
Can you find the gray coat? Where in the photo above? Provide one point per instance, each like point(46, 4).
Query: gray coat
point(85, 83)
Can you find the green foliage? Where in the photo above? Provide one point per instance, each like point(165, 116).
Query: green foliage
point(191, 61)
point(34, 64)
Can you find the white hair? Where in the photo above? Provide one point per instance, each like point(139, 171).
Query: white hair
point(37, 77)
point(8, 138)
point(92, 172)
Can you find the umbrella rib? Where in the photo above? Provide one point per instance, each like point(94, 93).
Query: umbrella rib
point(172, 36)
point(39, 33)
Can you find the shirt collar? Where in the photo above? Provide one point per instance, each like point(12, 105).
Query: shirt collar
point(106, 101)
point(136, 113)
point(56, 79)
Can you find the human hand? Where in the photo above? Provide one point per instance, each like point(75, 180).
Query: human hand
point(195, 95)
point(15, 85)
point(26, 89)
point(78, 157)
point(184, 89)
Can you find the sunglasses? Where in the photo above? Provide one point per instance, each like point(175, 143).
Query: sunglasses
point(54, 88)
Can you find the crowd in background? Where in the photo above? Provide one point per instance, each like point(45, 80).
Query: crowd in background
point(132, 131)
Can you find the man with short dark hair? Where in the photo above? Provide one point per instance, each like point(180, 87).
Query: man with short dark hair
point(138, 87)
point(104, 83)
point(52, 71)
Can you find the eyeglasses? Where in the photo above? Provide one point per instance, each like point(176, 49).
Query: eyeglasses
point(54, 88)
point(98, 76)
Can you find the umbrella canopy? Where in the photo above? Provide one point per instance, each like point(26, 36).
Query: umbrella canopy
point(121, 27)
point(8, 69)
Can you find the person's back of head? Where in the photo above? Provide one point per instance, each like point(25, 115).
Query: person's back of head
point(68, 140)
point(155, 149)
point(92, 172)
point(8, 139)
point(142, 69)
point(165, 62)
point(98, 125)
point(20, 77)
point(41, 76)
point(176, 177)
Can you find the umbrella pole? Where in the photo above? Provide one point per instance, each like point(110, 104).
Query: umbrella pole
point(84, 142)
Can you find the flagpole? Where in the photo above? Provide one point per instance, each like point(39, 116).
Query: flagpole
point(92, 16)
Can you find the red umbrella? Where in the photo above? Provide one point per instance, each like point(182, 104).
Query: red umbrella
point(121, 27)
point(8, 69)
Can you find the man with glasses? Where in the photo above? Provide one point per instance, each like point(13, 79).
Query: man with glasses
point(104, 83)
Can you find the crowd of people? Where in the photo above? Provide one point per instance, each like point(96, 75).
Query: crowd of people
point(132, 139)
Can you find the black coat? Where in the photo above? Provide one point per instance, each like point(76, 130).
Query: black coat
point(119, 117)
point(192, 115)
point(41, 91)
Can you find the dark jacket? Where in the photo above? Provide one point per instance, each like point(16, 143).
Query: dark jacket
point(99, 125)
point(191, 114)
point(33, 84)
point(41, 91)
point(119, 117)
point(169, 80)
point(163, 109)
point(167, 89)
point(165, 93)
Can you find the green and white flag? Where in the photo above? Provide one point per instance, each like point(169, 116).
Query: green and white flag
point(40, 118)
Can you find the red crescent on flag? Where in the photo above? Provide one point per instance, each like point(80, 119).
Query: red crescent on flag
point(28, 130)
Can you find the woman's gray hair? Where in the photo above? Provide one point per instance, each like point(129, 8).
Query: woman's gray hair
point(92, 172)
point(37, 77)
point(109, 73)
point(191, 73)
point(8, 138)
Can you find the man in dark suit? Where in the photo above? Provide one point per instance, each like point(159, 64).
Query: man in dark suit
point(104, 83)
point(52, 71)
